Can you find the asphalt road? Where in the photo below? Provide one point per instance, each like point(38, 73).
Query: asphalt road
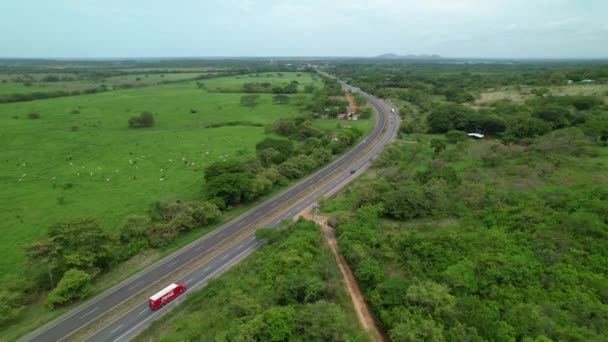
point(128, 325)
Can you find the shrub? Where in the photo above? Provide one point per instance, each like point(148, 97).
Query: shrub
point(145, 119)
point(455, 136)
point(74, 284)
point(33, 116)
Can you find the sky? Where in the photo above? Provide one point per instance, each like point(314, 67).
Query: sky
point(365, 28)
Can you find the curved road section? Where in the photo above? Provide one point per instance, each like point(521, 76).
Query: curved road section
point(122, 311)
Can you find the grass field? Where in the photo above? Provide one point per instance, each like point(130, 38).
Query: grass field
point(276, 79)
point(11, 87)
point(81, 159)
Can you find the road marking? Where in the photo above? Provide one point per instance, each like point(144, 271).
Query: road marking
point(173, 263)
point(240, 246)
point(199, 248)
point(207, 268)
point(142, 311)
point(225, 256)
point(189, 280)
point(134, 286)
point(88, 313)
point(113, 331)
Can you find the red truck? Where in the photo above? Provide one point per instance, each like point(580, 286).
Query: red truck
point(166, 295)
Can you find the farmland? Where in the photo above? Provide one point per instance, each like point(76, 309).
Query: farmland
point(79, 158)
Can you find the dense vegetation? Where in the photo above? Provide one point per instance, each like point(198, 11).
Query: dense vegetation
point(289, 290)
point(440, 98)
point(454, 239)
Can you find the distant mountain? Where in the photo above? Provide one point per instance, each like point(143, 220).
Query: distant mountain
point(395, 56)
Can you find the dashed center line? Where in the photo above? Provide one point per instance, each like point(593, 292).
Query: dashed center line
point(142, 311)
point(135, 285)
point(113, 331)
point(88, 313)
point(173, 263)
point(225, 256)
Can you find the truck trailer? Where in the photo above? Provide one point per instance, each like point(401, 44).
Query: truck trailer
point(165, 295)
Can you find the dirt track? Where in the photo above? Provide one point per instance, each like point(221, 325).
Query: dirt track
point(352, 105)
point(363, 314)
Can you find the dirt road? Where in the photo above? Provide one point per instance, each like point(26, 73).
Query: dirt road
point(363, 314)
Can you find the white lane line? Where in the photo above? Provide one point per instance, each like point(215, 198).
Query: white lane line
point(134, 286)
point(142, 311)
point(189, 280)
point(225, 257)
point(222, 235)
point(173, 263)
point(199, 248)
point(88, 313)
point(207, 268)
point(113, 331)
point(240, 246)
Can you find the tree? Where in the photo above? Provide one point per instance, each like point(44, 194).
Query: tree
point(231, 187)
point(284, 126)
point(554, 114)
point(406, 202)
point(448, 117)
point(205, 213)
point(527, 127)
point(74, 284)
point(369, 272)
point(78, 243)
point(417, 329)
point(284, 148)
point(250, 100)
point(44, 254)
point(145, 119)
point(280, 99)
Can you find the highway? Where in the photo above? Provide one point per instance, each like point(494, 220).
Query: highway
point(121, 312)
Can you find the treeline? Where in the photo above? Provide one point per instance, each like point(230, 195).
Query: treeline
point(289, 290)
point(72, 253)
point(101, 88)
point(51, 94)
point(457, 82)
point(267, 87)
point(229, 183)
point(514, 122)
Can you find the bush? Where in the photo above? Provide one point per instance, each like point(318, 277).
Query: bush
point(33, 116)
point(455, 136)
point(145, 119)
point(74, 285)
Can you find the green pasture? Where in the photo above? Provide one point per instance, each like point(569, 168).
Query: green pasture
point(11, 87)
point(235, 83)
point(81, 159)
